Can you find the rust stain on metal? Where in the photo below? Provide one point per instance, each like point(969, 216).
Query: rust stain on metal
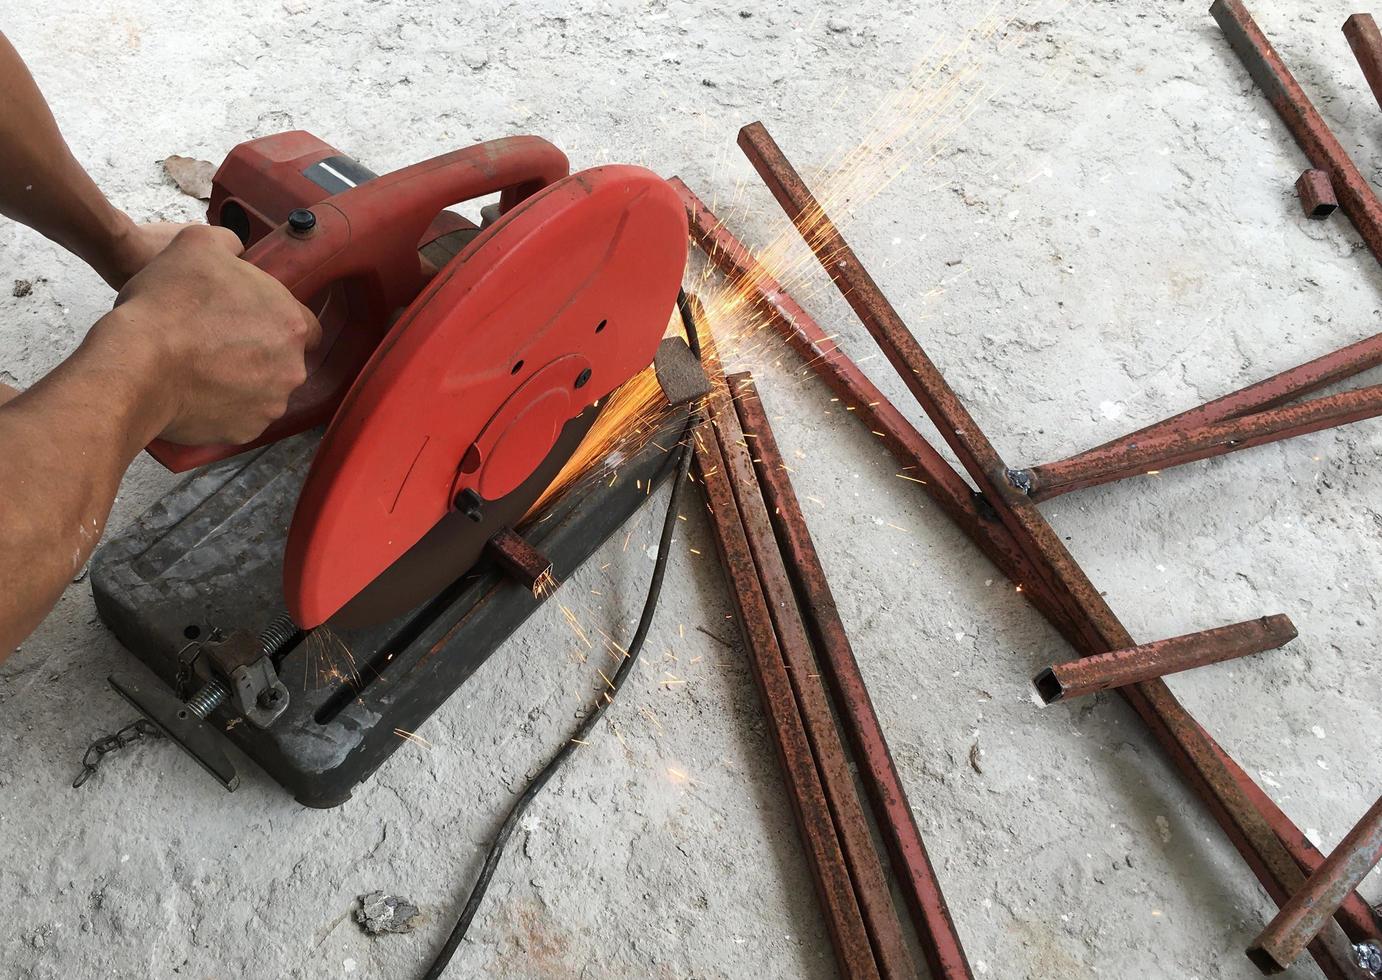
point(1310, 907)
point(853, 950)
point(1201, 761)
point(911, 864)
point(1120, 667)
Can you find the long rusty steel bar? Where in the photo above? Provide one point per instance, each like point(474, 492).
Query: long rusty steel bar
point(1180, 446)
point(1310, 908)
point(1141, 663)
point(1366, 42)
point(871, 886)
point(1199, 759)
point(1305, 123)
point(945, 955)
point(1051, 479)
point(920, 462)
point(849, 937)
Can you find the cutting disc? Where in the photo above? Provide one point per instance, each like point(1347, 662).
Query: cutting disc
point(481, 390)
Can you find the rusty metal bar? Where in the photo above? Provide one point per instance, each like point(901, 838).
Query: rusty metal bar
point(1296, 111)
point(853, 949)
point(919, 461)
point(1152, 454)
point(856, 839)
point(520, 561)
point(1366, 42)
point(945, 955)
point(1121, 667)
point(1268, 393)
point(1316, 194)
point(1310, 908)
point(1194, 753)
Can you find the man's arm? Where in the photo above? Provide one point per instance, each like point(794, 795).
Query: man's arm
point(43, 185)
point(200, 348)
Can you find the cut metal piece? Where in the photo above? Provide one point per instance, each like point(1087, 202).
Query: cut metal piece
point(851, 824)
point(1301, 919)
point(180, 723)
point(1316, 194)
point(1201, 761)
point(1366, 42)
point(1296, 111)
point(1053, 479)
point(849, 938)
point(520, 561)
point(919, 461)
point(1176, 447)
point(1120, 667)
point(680, 374)
point(940, 942)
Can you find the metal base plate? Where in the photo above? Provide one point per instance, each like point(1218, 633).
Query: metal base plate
point(209, 554)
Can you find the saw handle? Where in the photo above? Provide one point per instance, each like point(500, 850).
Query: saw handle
point(370, 233)
point(364, 242)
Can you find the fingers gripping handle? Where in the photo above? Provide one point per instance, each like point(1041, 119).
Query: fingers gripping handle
point(369, 236)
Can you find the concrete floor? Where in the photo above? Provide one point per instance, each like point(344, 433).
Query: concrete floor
point(1111, 236)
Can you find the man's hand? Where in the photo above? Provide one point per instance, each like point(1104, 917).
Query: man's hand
point(129, 250)
point(224, 344)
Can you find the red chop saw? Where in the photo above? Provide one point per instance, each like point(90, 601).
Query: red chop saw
point(452, 390)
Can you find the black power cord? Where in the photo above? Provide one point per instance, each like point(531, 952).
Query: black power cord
point(597, 710)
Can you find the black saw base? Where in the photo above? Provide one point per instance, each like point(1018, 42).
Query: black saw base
point(208, 556)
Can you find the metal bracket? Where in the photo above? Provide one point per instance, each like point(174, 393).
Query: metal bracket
point(193, 736)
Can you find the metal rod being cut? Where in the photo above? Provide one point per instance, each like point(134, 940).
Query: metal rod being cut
point(945, 955)
point(520, 560)
point(1195, 754)
point(1052, 479)
point(856, 839)
point(1140, 663)
point(1176, 447)
point(850, 939)
point(1296, 111)
point(1310, 907)
point(749, 280)
point(1366, 42)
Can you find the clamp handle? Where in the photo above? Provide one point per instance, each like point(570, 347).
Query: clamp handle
point(360, 250)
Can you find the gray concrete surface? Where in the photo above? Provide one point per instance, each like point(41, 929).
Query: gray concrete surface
point(1110, 236)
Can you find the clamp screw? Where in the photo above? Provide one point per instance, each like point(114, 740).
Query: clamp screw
point(468, 503)
point(301, 221)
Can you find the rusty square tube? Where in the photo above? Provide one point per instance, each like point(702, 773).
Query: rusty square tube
point(837, 778)
point(835, 890)
point(520, 561)
point(1176, 447)
point(1316, 194)
point(1309, 909)
point(1120, 667)
point(1201, 761)
point(945, 955)
point(1366, 42)
point(1055, 478)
